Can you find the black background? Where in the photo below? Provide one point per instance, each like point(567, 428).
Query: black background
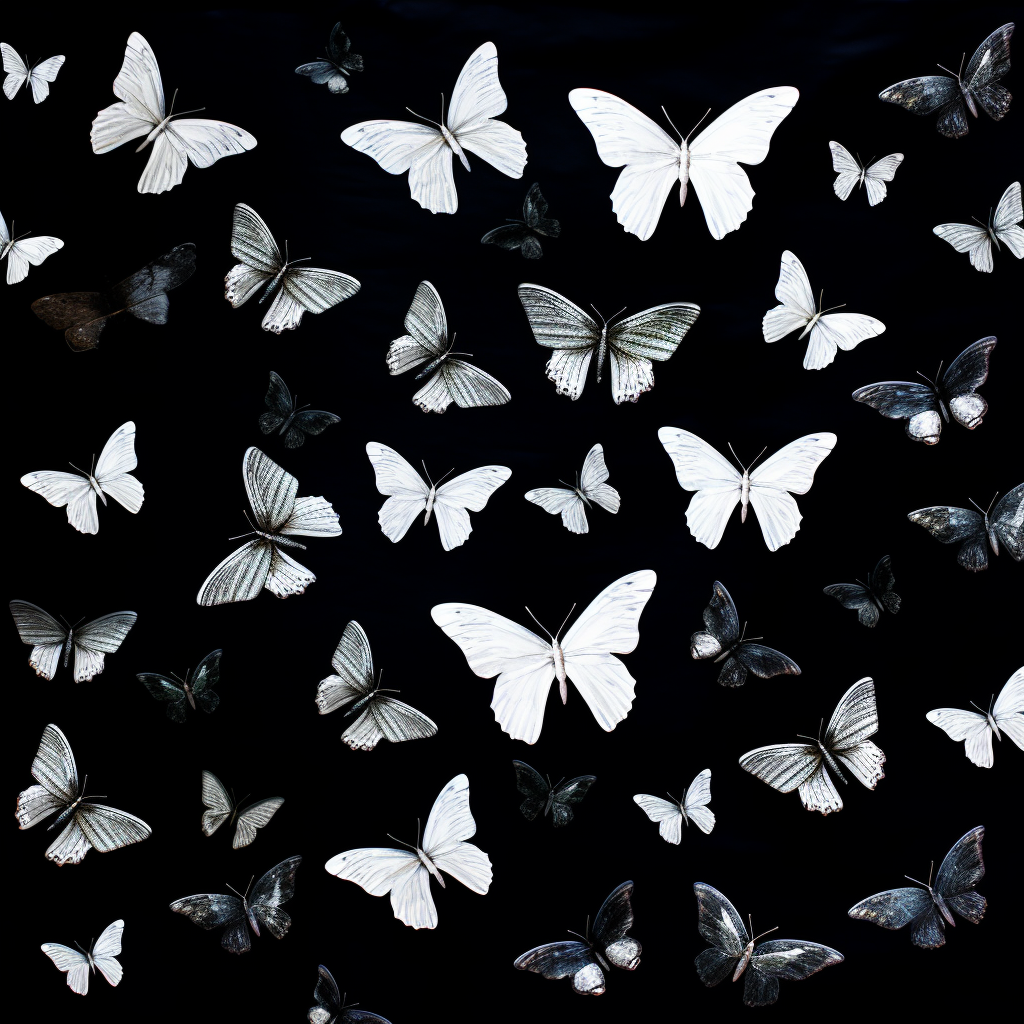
point(195, 390)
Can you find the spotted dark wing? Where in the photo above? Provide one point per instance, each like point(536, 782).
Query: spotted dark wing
point(534, 787)
point(858, 598)
point(165, 689)
point(1008, 520)
point(719, 923)
point(949, 525)
point(80, 315)
point(535, 213)
point(213, 910)
point(790, 959)
point(720, 616)
point(991, 61)
point(338, 50)
point(765, 662)
point(273, 889)
point(898, 399)
point(567, 794)
point(930, 95)
point(882, 583)
point(144, 293)
point(961, 869)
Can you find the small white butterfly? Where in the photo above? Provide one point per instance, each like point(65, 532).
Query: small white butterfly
point(571, 501)
point(978, 239)
point(77, 963)
point(220, 807)
point(829, 331)
point(21, 73)
point(852, 173)
point(20, 252)
point(671, 814)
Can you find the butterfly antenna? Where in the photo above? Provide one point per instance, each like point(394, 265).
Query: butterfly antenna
point(763, 934)
point(234, 890)
point(421, 117)
point(671, 797)
point(394, 840)
point(452, 345)
point(695, 127)
point(539, 623)
point(380, 689)
point(564, 621)
point(948, 72)
point(249, 521)
point(594, 308)
point(577, 934)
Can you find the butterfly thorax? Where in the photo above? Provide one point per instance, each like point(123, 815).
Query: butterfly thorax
point(602, 351)
point(726, 653)
point(744, 495)
point(431, 495)
point(558, 657)
point(432, 366)
point(251, 915)
point(810, 325)
point(95, 485)
point(276, 538)
point(155, 132)
point(453, 143)
point(831, 761)
point(992, 724)
point(430, 866)
point(744, 959)
point(187, 687)
point(68, 811)
point(993, 537)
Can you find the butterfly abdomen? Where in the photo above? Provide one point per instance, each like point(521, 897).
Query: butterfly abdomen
point(153, 134)
point(745, 494)
point(453, 142)
point(285, 542)
point(559, 659)
point(602, 351)
point(993, 540)
point(741, 966)
point(430, 504)
point(832, 763)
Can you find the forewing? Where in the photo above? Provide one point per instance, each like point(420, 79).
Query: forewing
point(555, 960)
point(593, 480)
point(29, 250)
point(450, 821)
point(719, 923)
point(95, 639)
point(467, 385)
point(962, 867)
point(666, 813)
point(949, 525)
point(1006, 220)
point(218, 804)
point(108, 829)
point(327, 997)
point(240, 577)
point(397, 721)
point(893, 908)
point(784, 766)
point(353, 661)
point(838, 330)
point(533, 786)
point(164, 689)
point(792, 467)
point(1008, 520)
point(969, 238)
point(561, 501)
point(1008, 710)
point(71, 961)
point(858, 598)
point(928, 95)
point(783, 958)
point(696, 800)
point(991, 61)
point(205, 141)
point(969, 370)
point(212, 910)
point(568, 794)
point(615, 917)
point(654, 333)
point(43, 633)
point(272, 890)
point(765, 662)
point(255, 816)
point(720, 616)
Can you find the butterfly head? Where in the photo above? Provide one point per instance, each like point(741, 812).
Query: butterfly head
point(557, 655)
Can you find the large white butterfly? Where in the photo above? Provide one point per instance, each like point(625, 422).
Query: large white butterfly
point(1006, 714)
point(139, 86)
point(571, 501)
point(20, 252)
point(526, 665)
point(280, 516)
point(799, 312)
point(852, 173)
point(978, 239)
point(719, 485)
point(221, 807)
point(21, 73)
point(406, 873)
point(654, 161)
point(450, 503)
point(77, 963)
point(672, 814)
point(111, 475)
point(425, 150)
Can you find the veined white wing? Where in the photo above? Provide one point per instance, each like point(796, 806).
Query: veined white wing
point(666, 813)
point(77, 964)
point(562, 501)
point(594, 481)
point(407, 493)
point(218, 804)
point(19, 73)
point(255, 816)
point(695, 802)
point(978, 239)
point(106, 947)
point(71, 961)
point(24, 251)
point(852, 173)
point(463, 494)
point(448, 827)
point(672, 814)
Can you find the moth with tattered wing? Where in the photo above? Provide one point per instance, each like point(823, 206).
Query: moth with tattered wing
point(869, 599)
point(555, 800)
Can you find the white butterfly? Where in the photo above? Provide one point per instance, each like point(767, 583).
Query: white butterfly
point(406, 873)
point(571, 502)
point(139, 86)
point(852, 173)
point(111, 475)
point(829, 331)
point(671, 814)
point(280, 516)
point(719, 485)
point(425, 150)
point(526, 665)
point(978, 239)
point(77, 964)
point(21, 73)
point(1006, 714)
point(299, 289)
point(451, 503)
point(20, 252)
point(220, 807)
point(654, 161)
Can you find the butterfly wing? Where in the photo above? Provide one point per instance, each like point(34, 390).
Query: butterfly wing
point(764, 662)
point(213, 910)
point(535, 214)
point(882, 583)
point(400, 872)
point(611, 928)
point(204, 678)
point(460, 382)
point(407, 493)
point(254, 245)
point(798, 305)
point(27, 251)
point(218, 804)
point(160, 687)
point(198, 139)
point(1008, 521)
point(327, 997)
point(307, 290)
point(1008, 710)
point(17, 75)
point(272, 890)
point(838, 331)
point(82, 316)
point(143, 294)
point(969, 726)
point(324, 72)
point(969, 238)
point(449, 825)
point(720, 924)
point(899, 399)
point(566, 795)
point(108, 946)
point(113, 468)
point(878, 174)
point(721, 620)
point(428, 332)
point(666, 813)
point(853, 721)
point(555, 960)
point(696, 800)
point(390, 719)
point(792, 959)
point(72, 962)
point(255, 816)
point(848, 169)
point(534, 787)
point(70, 489)
point(896, 908)
point(241, 576)
point(788, 766)
point(960, 382)
point(95, 639)
point(561, 325)
point(98, 826)
point(561, 501)
point(515, 236)
point(43, 633)
point(961, 869)
point(928, 95)
point(651, 334)
point(272, 491)
point(991, 61)
point(1006, 220)
point(139, 86)
point(54, 769)
point(353, 662)
point(949, 525)
point(858, 598)
point(593, 481)
point(463, 494)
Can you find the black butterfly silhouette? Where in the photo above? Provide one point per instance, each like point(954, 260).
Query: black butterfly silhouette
point(522, 234)
point(555, 800)
point(332, 1009)
point(196, 689)
point(294, 422)
point(871, 598)
point(339, 63)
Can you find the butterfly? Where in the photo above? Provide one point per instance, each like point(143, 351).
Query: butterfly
point(829, 331)
point(425, 150)
point(926, 909)
point(331, 1008)
point(586, 961)
point(77, 963)
point(141, 113)
point(450, 503)
point(672, 814)
point(735, 951)
point(220, 807)
point(719, 485)
point(869, 599)
point(91, 642)
point(452, 380)
point(20, 252)
point(980, 530)
point(629, 344)
point(213, 910)
point(953, 392)
point(280, 516)
point(291, 420)
point(406, 873)
point(196, 689)
point(724, 641)
point(110, 475)
point(556, 801)
point(786, 766)
point(526, 665)
point(21, 73)
point(952, 97)
point(299, 289)
point(522, 234)
point(1006, 713)
point(374, 715)
point(853, 173)
point(570, 501)
point(654, 161)
point(84, 825)
point(339, 63)
point(977, 239)
point(82, 316)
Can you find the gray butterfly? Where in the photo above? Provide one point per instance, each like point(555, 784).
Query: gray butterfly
point(220, 807)
point(555, 800)
point(869, 599)
point(290, 420)
point(340, 62)
point(331, 1008)
point(196, 689)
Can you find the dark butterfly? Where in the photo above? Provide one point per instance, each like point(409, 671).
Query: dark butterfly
point(293, 421)
point(586, 961)
point(952, 392)
point(925, 909)
point(871, 598)
point(736, 954)
point(231, 913)
point(330, 1007)
point(339, 63)
point(555, 800)
point(522, 234)
point(724, 641)
point(83, 315)
point(195, 689)
point(979, 530)
point(952, 97)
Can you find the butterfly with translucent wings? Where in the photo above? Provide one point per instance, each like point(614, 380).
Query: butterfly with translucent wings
point(978, 239)
point(288, 418)
point(555, 800)
point(736, 953)
point(139, 86)
point(374, 715)
point(869, 599)
point(425, 150)
point(406, 873)
point(77, 963)
point(570, 502)
point(86, 825)
point(340, 62)
point(522, 234)
point(221, 807)
point(331, 1007)
point(1005, 712)
point(927, 910)
point(672, 814)
point(21, 251)
point(195, 690)
point(35, 76)
point(852, 173)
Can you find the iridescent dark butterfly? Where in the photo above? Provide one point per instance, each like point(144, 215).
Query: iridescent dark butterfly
point(556, 800)
point(331, 1007)
point(195, 690)
point(522, 234)
point(869, 599)
point(291, 420)
point(339, 63)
